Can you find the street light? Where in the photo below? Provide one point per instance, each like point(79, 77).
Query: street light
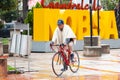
point(90, 7)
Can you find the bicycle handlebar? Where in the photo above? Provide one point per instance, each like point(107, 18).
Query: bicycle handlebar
point(51, 46)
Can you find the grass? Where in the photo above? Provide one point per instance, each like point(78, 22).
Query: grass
point(5, 41)
point(10, 68)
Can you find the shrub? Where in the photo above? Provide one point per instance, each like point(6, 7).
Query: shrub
point(29, 18)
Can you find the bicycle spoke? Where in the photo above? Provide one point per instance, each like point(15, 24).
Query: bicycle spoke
point(74, 65)
point(57, 64)
point(60, 61)
point(57, 60)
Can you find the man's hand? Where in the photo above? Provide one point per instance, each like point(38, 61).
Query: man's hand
point(62, 44)
point(52, 43)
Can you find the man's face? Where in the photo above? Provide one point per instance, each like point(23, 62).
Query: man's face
point(61, 26)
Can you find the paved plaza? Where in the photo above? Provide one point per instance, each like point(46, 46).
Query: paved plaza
point(106, 67)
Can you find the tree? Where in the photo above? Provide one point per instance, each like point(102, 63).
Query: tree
point(29, 18)
point(1, 24)
point(109, 4)
point(25, 8)
point(8, 9)
point(9, 16)
point(8, 5)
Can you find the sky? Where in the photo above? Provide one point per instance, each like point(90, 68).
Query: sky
point(32, 3)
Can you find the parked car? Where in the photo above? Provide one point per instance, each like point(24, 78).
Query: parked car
point(5, 31)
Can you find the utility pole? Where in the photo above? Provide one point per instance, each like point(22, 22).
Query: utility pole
point(98, 14)
point(91, 31)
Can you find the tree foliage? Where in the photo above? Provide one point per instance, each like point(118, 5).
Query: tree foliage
point(109, 4)
point(29, 18)
point(10, 15)
point(8, 9)
point(1, 24)
point(8, 4)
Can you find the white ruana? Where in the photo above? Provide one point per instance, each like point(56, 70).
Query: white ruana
point(60, 37)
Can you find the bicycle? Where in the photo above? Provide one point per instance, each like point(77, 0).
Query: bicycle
point(61, 60)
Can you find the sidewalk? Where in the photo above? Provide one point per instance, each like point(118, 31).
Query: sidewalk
point(106, 67)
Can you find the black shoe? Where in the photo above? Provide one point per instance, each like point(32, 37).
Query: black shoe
point(72, 57)
point(65, 68)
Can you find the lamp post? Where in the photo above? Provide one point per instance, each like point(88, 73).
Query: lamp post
point(91, 31)
point(98, 13)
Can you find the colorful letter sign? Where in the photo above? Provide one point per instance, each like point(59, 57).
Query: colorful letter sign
point(70, 5)
point(45, 22)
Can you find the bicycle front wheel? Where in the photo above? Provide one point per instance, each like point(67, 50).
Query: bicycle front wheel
point(74, 65)
point(57, 64)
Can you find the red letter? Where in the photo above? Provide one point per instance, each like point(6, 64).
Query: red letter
point(86, 7)
point(42, 3)
point(99, 7)
point(78, 6)
point(56, 5)
point(69, 6)
point(82, 4)
point(73, 6)
point(94, 5)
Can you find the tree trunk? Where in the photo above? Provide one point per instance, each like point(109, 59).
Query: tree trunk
point(25, 8)
point(61, 1)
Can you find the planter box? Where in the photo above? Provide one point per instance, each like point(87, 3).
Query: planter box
point(105, 48)
point(5, 48)
point(92, 51)
point(95, 41)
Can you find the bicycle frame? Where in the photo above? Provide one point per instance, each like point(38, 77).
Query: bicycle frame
point(62, 52)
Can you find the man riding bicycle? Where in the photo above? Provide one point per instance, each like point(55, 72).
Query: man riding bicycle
point(63, 34)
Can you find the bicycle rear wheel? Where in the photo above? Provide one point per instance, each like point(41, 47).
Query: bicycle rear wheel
point(57, 64)
point(74, 65)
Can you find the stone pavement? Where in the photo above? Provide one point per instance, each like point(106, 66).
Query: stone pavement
point(106, 67)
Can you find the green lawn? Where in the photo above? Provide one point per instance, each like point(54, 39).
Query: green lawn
point(5, 41)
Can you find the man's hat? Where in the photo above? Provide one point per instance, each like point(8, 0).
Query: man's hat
point(60, 22)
